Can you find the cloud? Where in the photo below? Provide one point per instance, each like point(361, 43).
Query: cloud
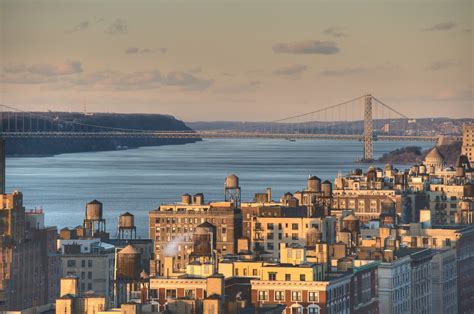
point(307, 47)
point(69, 74)
point(335, 32)
point(25, 78)
point(195, 70)
point(291, 71)
point(345, 71)
point(132, 50)
point(441, 65)
point(14, 68)
point(135, 50)
point(250, 86)
point(140, 80)
point(38, 73)
point(81, 26)
point(444, 26)
point(65, 68)
point(186, 80)
point(118, 26)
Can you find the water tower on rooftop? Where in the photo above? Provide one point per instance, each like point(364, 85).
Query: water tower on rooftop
point(232, 189)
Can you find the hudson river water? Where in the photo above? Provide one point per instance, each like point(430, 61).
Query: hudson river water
point(138, 180)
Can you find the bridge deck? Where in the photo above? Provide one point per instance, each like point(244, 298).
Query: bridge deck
point(210, 134)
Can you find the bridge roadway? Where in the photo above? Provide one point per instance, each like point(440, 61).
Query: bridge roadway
point(210, 134)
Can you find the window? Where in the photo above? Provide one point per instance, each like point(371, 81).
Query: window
point(83, 287)
point(302, 277)
point(270, 226)
point(298, 309)
point(89, 286)
point(89, 275)
point(83, 275)
point(287, 277)
point(189, 293)
point(279, 295)
point(294, 236)
point(294, 226)
point(236, 271)
point(83, 263)
point(270, 246)
point(71, 263)
point(89, 263)
point(263, 295)
point(272, 276)
point(254, 272)
point(448, 242)
point(313, 296)
point(313, 309)
point(171, 293)
point(295, 295)
point(270, 235)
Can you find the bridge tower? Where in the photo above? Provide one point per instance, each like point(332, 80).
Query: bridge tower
point(368, 128)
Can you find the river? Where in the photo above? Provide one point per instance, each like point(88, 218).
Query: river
point(138, 180)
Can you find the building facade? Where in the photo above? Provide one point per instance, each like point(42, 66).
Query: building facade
point(172, 227)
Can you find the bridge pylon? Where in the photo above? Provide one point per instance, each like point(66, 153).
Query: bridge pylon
point(368, 129)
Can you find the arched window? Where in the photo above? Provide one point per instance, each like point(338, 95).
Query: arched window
point(314, 309)
point(296, 309)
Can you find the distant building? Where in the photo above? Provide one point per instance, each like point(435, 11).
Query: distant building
point(29, 263)
point(92, 262)
point(71, 300)
point(468, 142)
point(172, 226)
point(267, 233)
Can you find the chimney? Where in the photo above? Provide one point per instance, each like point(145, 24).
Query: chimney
point(69, 285)
point(269, 194)
point(215, 285)
point(242, 245)
point(378, 243)
point(168, 266)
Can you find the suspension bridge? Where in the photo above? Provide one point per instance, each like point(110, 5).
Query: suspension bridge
point(364, 118)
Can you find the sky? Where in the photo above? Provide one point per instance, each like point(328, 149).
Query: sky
point(236, 60)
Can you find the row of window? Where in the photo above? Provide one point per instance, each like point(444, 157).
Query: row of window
point(279, 295)
point(72, 263)
point(272, 277)
point(173, 220)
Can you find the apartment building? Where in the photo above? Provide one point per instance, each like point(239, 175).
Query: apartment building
point(93, 262)
point(29, 263)
point(267, 233)
point(175, 224)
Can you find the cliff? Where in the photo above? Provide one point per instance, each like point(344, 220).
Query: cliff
point(82, 122)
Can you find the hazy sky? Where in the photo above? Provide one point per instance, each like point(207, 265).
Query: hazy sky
point(236, 60)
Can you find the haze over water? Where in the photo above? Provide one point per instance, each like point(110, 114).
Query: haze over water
point(138, 180)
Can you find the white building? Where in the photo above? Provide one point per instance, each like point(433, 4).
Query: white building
point(394, 282)
point(92, 262)
point(444, 282)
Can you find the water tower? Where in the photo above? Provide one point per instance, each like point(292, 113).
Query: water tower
point(127, 273)
point(94, 222)
point(232, 189)
point(126, 229)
